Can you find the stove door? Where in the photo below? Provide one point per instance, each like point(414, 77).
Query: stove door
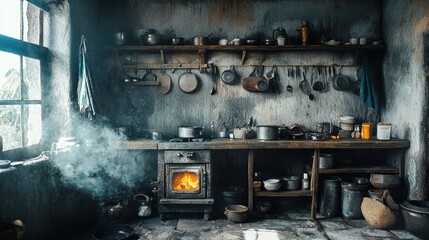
point(185, 181)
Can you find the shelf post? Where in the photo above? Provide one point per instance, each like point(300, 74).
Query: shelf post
point(250, 158)
point(202, 60)
point(314, 182)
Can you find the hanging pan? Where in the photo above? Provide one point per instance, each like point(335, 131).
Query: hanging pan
point(188, 82)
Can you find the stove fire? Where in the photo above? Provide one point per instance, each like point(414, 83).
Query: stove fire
point(186, 181)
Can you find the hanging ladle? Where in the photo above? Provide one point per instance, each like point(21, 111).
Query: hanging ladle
point(289, 87)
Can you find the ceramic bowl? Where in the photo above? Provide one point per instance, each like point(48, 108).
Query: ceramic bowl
point(348, 119)
point(347, 126)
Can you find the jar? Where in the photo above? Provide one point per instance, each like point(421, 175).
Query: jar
point(366, 131)
point(305, 182)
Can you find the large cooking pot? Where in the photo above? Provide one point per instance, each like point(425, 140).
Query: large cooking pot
point(267, 132)
point(190, 131)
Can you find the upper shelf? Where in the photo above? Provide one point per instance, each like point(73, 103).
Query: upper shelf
point(240, 48)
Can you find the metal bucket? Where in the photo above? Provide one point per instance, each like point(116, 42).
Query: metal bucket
point(352, 195)
point(330, 199)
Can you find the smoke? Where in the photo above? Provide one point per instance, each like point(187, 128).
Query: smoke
point(92, 161)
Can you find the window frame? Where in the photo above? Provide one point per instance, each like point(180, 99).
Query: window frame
point(30, 50)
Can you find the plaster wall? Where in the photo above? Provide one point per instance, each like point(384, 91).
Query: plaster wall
point(405, 25)
point(143, 108)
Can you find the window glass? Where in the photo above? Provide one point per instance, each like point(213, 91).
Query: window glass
point(10, 18)
point(10, 76)
point(31, 88)
point(10, 126)
point(31, 23)
point(32, 116)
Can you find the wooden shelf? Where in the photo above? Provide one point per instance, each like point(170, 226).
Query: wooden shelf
point(296, 193)
point(391, 170)
point(239, 48)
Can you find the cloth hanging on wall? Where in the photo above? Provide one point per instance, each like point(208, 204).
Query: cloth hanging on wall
point(85, 87)
point(368, 93)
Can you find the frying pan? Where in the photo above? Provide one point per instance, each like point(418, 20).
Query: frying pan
point(188, 82)
point(228, 76)
point(341, 82)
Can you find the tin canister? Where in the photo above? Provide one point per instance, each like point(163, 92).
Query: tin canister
point(384, 131)
point(366, 131)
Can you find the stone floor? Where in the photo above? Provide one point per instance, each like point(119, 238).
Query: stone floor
point(296, 225)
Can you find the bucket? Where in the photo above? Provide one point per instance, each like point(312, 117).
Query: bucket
point(351, 196)
point(330, 199)
point(384, 131)
point(233, 195)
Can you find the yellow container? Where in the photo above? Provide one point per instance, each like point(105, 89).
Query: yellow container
point(366, 131)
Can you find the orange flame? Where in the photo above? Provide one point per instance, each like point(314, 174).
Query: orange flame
point(187, 181)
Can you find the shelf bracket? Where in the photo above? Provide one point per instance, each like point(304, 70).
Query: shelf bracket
point(162, 56)
point(202, 60)
point(243, 57)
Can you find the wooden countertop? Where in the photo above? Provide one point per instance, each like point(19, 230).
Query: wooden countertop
point(227, 144)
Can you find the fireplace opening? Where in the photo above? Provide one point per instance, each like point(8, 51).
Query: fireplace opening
point(186, 182)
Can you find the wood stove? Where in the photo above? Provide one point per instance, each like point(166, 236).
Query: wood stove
point(185, 182)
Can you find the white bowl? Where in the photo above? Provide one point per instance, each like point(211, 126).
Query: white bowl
point(272, 181)
point(348, 119)
point(272, 188)
point(347, 126)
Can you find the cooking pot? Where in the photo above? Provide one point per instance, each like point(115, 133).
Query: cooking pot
point(151, 39)
point(177, 40)
point(190, 131)
point(11, 231)
point(416, 217)
point(228, 76)
point(200, 40)
point(267, 132)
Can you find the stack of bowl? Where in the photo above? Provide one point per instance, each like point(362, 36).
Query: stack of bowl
point(272, 184)
point(347, 124)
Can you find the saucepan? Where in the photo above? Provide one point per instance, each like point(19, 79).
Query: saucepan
point(202, 40)
point(190, 131)
point(177, 40)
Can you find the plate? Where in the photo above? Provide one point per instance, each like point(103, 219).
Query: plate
point(332, 42)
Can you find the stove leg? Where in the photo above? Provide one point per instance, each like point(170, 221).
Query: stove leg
point(207, 216)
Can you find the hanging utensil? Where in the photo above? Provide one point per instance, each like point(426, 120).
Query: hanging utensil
point(255, 82)
point(304, 85)
point(213, 76)
point(188, 82)
point(318, 84)
point(228, 76)
point(164, 83)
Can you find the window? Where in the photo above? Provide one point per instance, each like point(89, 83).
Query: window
point(22, 58)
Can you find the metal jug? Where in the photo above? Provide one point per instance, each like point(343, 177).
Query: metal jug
point(280, 36)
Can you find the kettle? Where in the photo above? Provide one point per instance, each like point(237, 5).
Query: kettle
point(144, 208)
point(280, 36)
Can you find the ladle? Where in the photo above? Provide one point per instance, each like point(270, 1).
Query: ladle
point(289, 87)
point(213, 76)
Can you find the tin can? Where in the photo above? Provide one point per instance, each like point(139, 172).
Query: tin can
point(366, 130)
point(384, 131)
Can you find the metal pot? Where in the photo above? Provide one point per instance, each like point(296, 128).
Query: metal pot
point(151, 39)
point(190, 131)
point(291, 183)
point(200, 40)
point(177, 40)
point(326, 160)
point(267, 132)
